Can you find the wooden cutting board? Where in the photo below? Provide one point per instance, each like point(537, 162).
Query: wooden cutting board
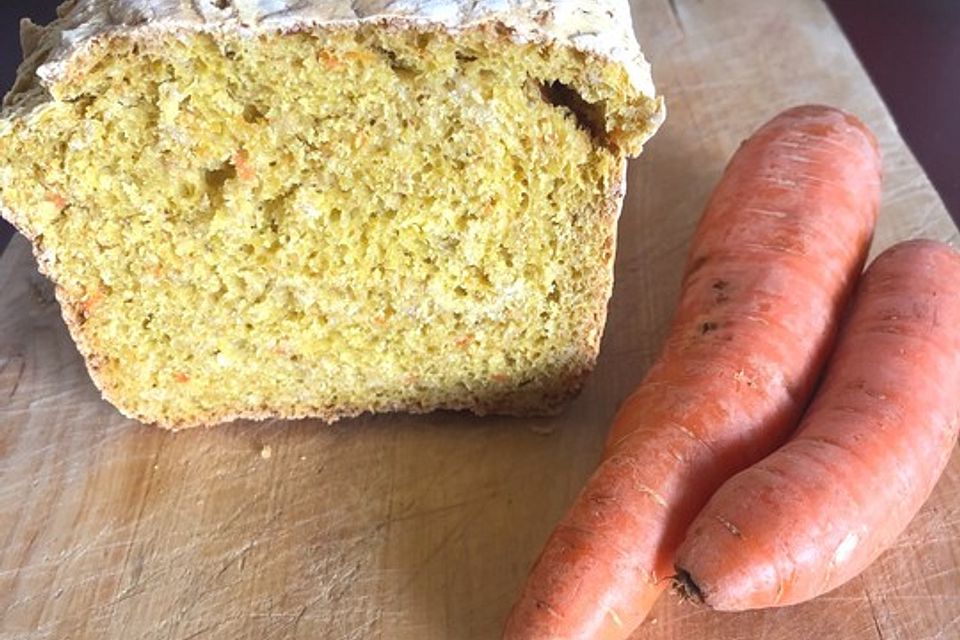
point(402, 527)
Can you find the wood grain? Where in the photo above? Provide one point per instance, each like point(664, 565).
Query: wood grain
point(424, 527)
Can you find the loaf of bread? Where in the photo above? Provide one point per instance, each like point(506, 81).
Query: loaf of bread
point(290, 208)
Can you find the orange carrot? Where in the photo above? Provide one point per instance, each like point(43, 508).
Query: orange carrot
point(245, 170)
point(866, 456)
point(56, 200)
point(91, 301)
point(771, 266)
point(329, 60)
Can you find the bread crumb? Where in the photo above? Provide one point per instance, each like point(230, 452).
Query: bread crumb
point(543, 430)
point(266, 452)
point(295, 226)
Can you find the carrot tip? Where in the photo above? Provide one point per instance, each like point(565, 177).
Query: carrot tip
point(688, 590)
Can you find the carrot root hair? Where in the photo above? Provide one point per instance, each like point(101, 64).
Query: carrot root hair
point(687, 588)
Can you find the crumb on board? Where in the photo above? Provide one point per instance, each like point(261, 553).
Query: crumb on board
point(266, 452)
point(543, 430)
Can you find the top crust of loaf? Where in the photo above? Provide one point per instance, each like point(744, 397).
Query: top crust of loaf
point(600, 28)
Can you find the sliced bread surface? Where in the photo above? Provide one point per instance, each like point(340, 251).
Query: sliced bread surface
point(285, 209)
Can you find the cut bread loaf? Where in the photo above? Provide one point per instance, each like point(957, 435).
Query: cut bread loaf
point(289, 208)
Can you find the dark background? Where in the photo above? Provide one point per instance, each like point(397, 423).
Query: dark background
point(911, 49)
